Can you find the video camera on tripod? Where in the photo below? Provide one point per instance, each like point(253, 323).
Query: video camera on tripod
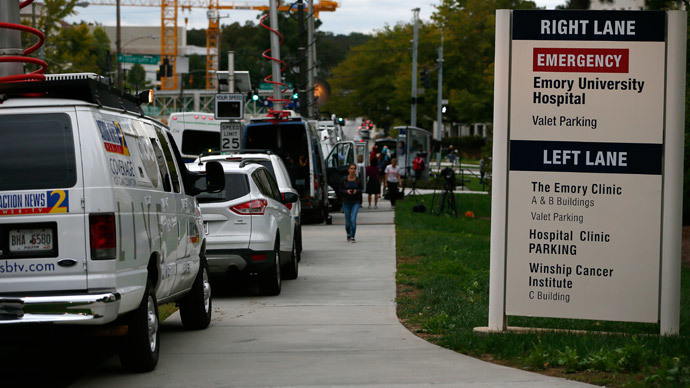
point(448, 175)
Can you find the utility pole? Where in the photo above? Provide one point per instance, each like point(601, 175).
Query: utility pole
point(302, 88)
point(275, 53)
point(311, 62)
point(10, 40)
point(118, 45)
point(413, 110)
point(439, 93)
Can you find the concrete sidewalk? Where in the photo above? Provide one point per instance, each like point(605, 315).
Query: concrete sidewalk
point(334, 326)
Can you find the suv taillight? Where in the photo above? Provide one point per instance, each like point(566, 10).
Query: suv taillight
point(255, 207)
point(102, 234)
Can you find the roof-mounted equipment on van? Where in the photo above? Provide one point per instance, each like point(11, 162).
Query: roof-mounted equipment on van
point(87, 87)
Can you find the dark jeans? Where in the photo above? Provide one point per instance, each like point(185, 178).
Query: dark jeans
point(351, 210)
point(392, 192)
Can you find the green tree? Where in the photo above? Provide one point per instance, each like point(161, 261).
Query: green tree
point(249, 40)
point(374, 80)
point(76, 49)
point(136, 78)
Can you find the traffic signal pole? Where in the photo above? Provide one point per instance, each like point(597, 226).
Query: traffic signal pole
point(439, 93)
point(413, 110)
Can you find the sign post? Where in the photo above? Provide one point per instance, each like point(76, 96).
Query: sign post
point(585, 178)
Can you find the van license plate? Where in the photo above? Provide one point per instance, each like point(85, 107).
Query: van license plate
point(31, 240)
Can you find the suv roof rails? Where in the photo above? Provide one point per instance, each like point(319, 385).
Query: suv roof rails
point(87, 87)
point(245, 162)
point(235, 152)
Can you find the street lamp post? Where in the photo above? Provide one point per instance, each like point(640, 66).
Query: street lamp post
point(120, 72)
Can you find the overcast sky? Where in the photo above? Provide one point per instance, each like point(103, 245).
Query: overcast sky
point(363, 16)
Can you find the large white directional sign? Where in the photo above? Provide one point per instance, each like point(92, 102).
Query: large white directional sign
point(585, 164)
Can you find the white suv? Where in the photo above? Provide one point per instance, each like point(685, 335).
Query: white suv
point(248, 226)
point(277, 168)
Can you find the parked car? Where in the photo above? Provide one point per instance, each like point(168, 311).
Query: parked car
point(277, 168)
point(248, 226)
point(295, 141)
point(97, 223)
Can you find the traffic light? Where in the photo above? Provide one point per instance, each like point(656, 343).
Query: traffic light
point(444, 109)
point(341, 121)
point(426, 81)
point(166, 69)
point(295, 94)
point(255, 97)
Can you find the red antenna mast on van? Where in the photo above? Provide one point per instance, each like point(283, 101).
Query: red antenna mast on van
point(278, 66)
point(11, 68)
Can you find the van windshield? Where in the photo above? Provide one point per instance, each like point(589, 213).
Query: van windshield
point(196, 142)
point(287, 140)
point(38, 151)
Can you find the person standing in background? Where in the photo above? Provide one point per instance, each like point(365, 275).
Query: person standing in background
point(373, 183)
point(392, 179)
point(351, 195)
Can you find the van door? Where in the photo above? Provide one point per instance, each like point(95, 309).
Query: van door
point(186, 260)
point(362, 158)
point(338, 161)
point(166, 207)
point(43, 235)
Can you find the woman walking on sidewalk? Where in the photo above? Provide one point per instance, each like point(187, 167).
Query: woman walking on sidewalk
point(351, 193)
point(392, 180)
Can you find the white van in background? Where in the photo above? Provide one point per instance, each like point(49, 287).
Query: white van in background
point(194, 133)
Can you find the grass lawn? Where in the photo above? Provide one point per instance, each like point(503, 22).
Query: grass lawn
point(443, 293)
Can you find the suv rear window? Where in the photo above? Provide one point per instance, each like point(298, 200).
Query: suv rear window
point(41, 148)
point(236, 186)
point(269, 166)
point(196, 142)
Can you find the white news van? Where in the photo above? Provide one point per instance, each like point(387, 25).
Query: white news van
point(97, 219)
point(194, 133)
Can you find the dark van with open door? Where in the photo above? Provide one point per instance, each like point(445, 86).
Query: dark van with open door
point(296, 142)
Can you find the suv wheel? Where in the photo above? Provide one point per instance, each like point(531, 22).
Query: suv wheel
point(298, 233)
point(141, 345)
point(292, 268)
point(269, 281)
point(196, 307)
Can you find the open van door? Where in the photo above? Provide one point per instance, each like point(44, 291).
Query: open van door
point(337, 162)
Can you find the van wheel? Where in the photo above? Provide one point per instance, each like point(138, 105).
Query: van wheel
point(196, 307)
point(270, 282)
point(292, 268)
point(141, 346)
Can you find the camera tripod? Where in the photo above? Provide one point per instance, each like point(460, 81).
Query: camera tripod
point(413, 192)
point(448, 196)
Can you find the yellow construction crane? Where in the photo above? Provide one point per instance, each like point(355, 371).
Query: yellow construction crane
point(169, 28)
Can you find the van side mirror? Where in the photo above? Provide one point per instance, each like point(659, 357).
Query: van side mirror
point(215, 177)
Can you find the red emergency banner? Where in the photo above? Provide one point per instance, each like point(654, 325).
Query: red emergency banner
point(580, 60)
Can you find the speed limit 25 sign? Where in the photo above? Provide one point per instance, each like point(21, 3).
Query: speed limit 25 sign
point(230, 136)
